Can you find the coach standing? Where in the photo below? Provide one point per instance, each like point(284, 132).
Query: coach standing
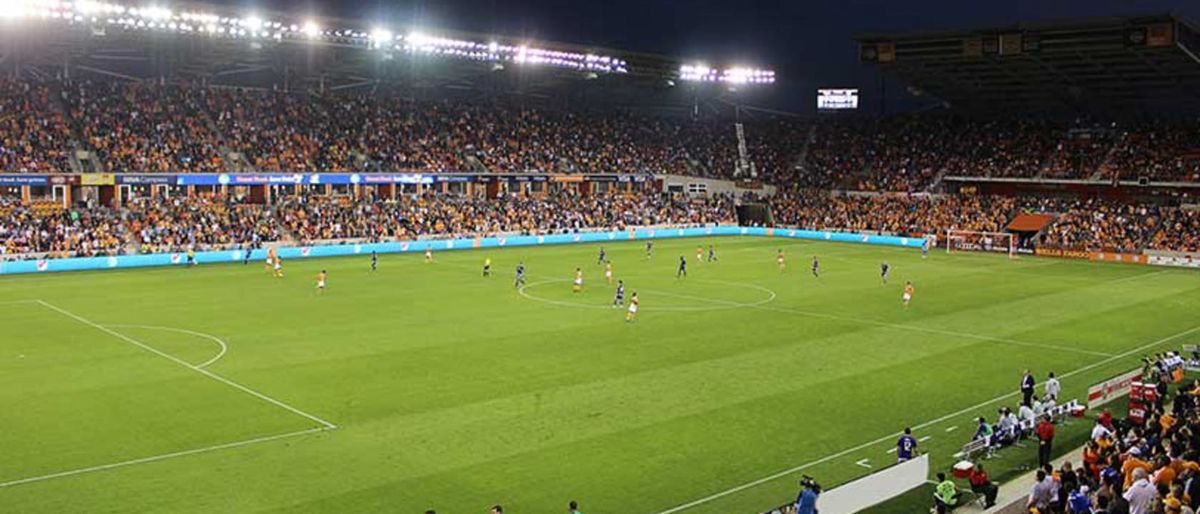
point(1027, 384)
point(1045, 435)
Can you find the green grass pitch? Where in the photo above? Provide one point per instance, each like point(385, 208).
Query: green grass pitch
point(453, 391)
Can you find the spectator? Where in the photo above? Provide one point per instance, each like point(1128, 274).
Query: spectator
point(1042, 493)
point(1141, 494)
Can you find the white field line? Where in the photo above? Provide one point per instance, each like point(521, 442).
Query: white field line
point(15, 302)
point(889, 437)
point(224, 347)
point(183, 363)
point(923, 439)
point(156, 458)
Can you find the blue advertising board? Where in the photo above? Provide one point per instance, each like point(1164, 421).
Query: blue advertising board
point(335, 250)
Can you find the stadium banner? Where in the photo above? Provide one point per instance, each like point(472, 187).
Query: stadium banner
point(1112, 388)
point(97, 179)
point(872, 489)
point(1127, 258)
point(1175, 259)
point(266, 179)
point(24, 180)
point(348, 249)
point(139, 180)
point(1064, 253)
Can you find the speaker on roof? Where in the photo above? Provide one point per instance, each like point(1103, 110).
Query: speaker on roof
point(868, 52)
point(1135, 36)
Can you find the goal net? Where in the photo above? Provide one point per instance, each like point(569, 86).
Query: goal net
point(972, 241)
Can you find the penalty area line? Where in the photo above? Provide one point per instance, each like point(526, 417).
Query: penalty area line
point(889, 437)
point(165, 456)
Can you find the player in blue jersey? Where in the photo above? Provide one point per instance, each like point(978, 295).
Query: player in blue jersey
point(906, 446)
point(520, 281)
point(682, 271)
point(884, 269)
point(816, 267)
point(603, 256)
point(619, 299)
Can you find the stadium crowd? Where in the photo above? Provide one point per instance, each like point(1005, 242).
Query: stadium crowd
point(34, 136)
point(147, 225)
point(1146, 466)
point(204, 222)
point(179, 127)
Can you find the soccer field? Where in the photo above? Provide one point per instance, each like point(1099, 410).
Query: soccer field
point(223, 389)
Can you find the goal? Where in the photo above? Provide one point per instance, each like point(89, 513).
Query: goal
point(972, 241)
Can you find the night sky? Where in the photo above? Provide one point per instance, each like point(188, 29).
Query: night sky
point(809, 43)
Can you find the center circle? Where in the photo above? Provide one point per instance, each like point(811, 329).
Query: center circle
point(715, 304)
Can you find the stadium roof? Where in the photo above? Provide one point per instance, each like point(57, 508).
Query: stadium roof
point(1100, 65)
point(221, 47)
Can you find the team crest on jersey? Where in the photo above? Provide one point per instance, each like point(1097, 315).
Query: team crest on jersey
point(42, 264)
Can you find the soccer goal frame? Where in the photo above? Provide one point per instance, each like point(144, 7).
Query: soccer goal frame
point(975, 241)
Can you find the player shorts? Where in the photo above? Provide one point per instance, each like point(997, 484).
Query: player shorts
point(321, 285)
point(277, 265)
point(633, 308)
point(607, 274)
point(907, 297)
point(579, 281)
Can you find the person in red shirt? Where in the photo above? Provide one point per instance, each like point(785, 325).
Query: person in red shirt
point(1045, 435)
point(981, 484)
point(1106, 419)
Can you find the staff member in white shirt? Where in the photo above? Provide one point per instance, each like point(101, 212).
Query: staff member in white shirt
point(1053, 388)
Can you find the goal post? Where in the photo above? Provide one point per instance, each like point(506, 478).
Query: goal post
point(974, 241)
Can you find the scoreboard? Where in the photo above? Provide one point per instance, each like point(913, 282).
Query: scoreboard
point(837, 99)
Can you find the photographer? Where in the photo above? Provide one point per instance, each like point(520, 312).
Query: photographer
point(806, 501)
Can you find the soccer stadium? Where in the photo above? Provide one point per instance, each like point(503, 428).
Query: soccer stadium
point(261, 260)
